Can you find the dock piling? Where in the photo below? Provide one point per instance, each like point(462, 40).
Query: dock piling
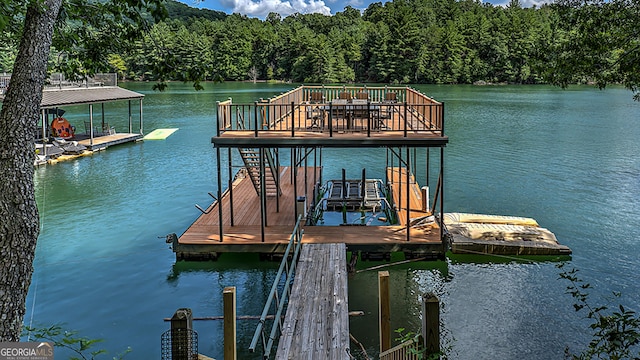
point(431, 323)
point(384, 305)
point(229, 296)
point(425, 198)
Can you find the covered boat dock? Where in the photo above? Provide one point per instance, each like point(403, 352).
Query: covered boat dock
point(97, 135)
point(57, 139)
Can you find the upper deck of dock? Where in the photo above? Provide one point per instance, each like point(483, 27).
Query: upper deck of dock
point(337, 116)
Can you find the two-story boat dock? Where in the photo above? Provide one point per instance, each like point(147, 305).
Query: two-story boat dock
point(276, 202)
point(278, 146)
point(259, 208)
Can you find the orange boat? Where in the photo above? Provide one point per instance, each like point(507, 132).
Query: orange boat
point(61, 128)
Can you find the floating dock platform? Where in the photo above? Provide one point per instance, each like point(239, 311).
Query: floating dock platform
point(500, 235)
point(202, 239)
point(97, 135)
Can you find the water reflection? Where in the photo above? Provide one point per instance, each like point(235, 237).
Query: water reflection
point(565, 158)
point(408, 282)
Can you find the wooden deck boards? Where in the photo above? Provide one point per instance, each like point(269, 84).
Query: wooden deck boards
point(398, 178)
point(246, 229)
point(102, 142)
point(246, 234)
point(306, 134)
point(246, 212)
point(316, 325)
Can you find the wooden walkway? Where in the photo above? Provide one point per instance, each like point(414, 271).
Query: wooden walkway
point(413, 204)
point(103, 142)
point(316, 325)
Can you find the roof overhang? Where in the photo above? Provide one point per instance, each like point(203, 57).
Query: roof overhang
point(78, 96)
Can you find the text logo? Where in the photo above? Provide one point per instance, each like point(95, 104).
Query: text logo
point(26, 351)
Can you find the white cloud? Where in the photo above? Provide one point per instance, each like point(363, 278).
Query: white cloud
point(356, 3)
point(262, 8)
point(523, 3)
point(530, 3)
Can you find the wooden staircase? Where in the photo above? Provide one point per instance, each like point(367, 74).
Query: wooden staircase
point(251, 159)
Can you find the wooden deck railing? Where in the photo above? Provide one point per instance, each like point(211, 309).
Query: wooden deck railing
point(224, 115)
point(313, 108)
point(374, 94)
point(408, 350)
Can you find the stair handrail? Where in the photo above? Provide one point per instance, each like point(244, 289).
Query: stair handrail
point(272, 167)
point(295, 242)
point(239, 119)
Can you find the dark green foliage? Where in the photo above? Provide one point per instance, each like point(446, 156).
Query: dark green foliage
point(600, 43)
point(88, 32)
point(82, 347)
point(616, 332)
point(179, 11)
point(399, 41)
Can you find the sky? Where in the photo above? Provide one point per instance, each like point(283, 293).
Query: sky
point(260, 8)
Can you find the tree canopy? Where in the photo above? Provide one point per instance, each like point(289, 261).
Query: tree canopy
point(600, 43)
point(399, 41)
point(83, 34)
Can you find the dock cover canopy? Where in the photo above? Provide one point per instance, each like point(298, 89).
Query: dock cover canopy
point(78, 96)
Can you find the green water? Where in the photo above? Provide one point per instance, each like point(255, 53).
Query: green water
point(567, 158)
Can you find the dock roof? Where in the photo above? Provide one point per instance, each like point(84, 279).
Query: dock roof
point(91, 95)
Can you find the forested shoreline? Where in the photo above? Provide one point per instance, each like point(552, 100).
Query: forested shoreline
point(400, 41)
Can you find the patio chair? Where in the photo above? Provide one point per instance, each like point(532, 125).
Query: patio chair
point(391, 97)
point(360, 112)
point(362, 95)
point(314, 112)
point(316, 115)
point(344, 95)
point(316, 97)
point(107, 130)
point(387, 108)
point(339, 112)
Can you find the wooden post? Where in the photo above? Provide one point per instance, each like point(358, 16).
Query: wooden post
point(385, 310)
point(425, 198)
point(431, 323)
point(229, 296)
point(181, 328)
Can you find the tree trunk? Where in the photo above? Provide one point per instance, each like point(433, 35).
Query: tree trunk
point(19, 117)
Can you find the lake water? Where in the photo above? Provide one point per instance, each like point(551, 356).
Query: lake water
point(568, 158)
